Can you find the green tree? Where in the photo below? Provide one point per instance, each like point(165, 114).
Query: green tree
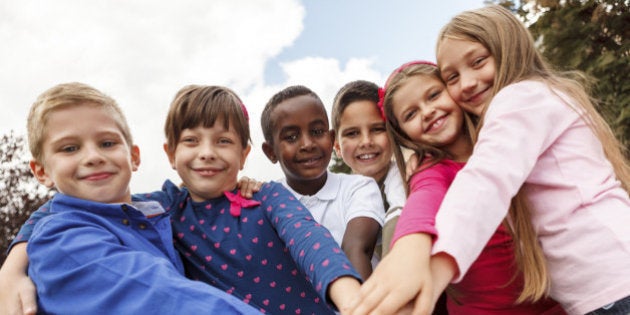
point(592, 36)
point(338, 165)
point(21, 192)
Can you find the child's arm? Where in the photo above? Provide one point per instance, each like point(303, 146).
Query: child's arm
point(402, 276)
point(358, 243)
point(17, 292)
point(310, 244)
point(16, 288)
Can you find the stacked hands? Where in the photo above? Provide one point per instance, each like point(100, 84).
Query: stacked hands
point(488, 251)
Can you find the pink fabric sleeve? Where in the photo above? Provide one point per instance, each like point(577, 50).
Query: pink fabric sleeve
point(523, 120)
point(427, 189)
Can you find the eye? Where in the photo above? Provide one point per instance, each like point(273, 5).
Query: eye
point(379, 129)
point(69, 148)
point(478, 61)
point(434, 94)
point(226, 141)
point(350, 134)
point(318, 132)
point(290, 137)
point(108, 144)
point(450, 78)
point(409, 114)
point(188, 140)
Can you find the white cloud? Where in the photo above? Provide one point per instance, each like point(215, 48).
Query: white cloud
point(141, 53)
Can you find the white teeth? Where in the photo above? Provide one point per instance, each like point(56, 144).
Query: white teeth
point(367, 156)
point(436, 124)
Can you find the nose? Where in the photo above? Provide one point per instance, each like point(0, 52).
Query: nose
point(207, 152)
point(307, 143)
point(468, 82)
point(93, 155)
point(366, 139)
point(428, 111)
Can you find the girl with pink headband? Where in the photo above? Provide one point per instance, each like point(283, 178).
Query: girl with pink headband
point(422, 117)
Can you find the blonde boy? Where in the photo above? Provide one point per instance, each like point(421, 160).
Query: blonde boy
point(99, 252)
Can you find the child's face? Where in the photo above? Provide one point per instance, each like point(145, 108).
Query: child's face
point(468, 69)
point(86, 155)
point(302, 141)
point(427, 114)
point(208, 160)
point(362, 140)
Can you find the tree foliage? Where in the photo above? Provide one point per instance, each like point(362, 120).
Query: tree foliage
point(21, 193)
point(338, 165)
point(592, 36)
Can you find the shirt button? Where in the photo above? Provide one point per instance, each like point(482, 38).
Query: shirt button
point(125, 221)
point(142, 226)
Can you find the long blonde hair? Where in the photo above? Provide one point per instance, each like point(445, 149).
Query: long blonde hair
point(517, 59)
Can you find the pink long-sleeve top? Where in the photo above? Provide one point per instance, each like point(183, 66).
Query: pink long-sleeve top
point(490, 285)
point(533, 135)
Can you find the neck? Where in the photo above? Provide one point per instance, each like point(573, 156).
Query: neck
point(307, 187)
point(461, 149)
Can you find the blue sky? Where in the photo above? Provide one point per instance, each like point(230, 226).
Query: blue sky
point(141, 52)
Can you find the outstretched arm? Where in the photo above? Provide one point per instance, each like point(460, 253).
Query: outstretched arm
point(401, 277)
point(358, 243)
point(17, 292)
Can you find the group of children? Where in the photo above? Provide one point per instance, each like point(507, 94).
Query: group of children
point(516, 200)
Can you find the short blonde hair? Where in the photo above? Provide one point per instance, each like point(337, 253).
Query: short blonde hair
point(62, 96)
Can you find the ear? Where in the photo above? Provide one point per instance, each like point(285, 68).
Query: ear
point(244, 155)
point(40, 173)
point(135, 157)
point(332, 134)
point(170, 155)
point(271, 155)
point(337, 148)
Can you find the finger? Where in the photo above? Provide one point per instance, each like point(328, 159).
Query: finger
point(258, 186)
point(29, 303)
point(391, 304)
point(424, 303)
point(370, 295)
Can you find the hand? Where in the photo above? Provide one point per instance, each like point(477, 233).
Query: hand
point(17, 292)
point(248, 186)
point(342, 290)
point(402, 277)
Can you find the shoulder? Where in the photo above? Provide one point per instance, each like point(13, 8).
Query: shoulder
point(443, 170)
point(528, 94)
point(351, 179)
point(272, 189)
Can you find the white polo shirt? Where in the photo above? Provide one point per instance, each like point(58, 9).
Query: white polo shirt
point(343, 198)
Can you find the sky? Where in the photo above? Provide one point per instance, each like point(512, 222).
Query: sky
point(142, 52)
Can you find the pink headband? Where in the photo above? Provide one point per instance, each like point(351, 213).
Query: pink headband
point(381, 91)
point(244, 111)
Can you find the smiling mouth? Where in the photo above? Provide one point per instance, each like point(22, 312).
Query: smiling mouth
point(310, 161)
point(207, 172)
point(367, 156)
point(98, 176)
point(436, 124)
point(478, 97)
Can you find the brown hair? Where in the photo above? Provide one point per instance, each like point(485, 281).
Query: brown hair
point(197, 105)
point(351, 92)
point(397, 136)
point(517, 59)
point(62, 96)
